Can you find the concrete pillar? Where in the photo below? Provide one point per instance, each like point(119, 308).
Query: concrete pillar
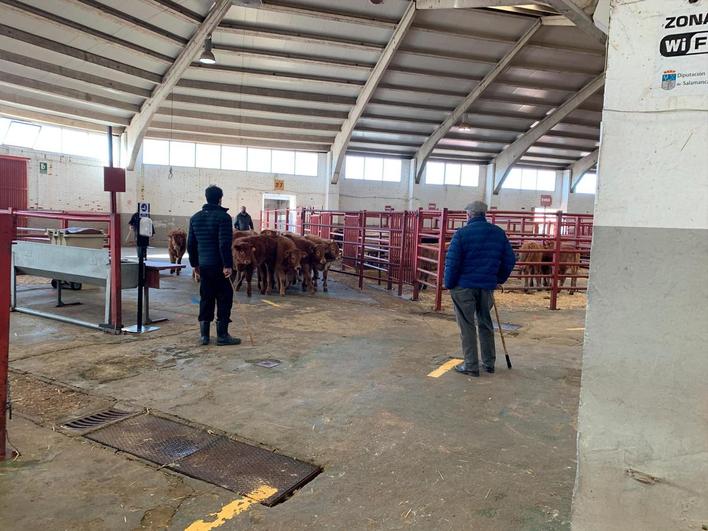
point(331, 190)
point(409, 169)
point(643, 418)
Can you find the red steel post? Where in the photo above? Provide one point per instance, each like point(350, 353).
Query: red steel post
point(556, 261)
point(416, 250)
point(402, 252)
point(362, 247)
point(441, 260)
point(6, 232)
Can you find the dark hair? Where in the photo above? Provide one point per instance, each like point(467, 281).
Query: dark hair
point(213, 194)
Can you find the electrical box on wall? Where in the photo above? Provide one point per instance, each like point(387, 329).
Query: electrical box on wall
point(113, 179)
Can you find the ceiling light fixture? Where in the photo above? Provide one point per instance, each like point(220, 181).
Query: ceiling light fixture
point(207, 57)
point(464, 126)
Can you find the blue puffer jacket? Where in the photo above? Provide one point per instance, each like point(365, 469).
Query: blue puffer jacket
point(209, 240)
point(479, 256)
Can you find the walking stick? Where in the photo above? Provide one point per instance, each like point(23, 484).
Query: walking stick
point(501, 333)
point(241, 313)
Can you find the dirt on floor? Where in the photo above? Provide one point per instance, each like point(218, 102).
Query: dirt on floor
point(399, 449)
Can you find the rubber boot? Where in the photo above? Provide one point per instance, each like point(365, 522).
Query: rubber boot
point(204, 332)
point(222, 335)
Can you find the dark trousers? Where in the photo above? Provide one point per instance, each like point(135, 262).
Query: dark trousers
point(215, 290)
point(472, 309)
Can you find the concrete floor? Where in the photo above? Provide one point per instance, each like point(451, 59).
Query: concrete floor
point(399, 449)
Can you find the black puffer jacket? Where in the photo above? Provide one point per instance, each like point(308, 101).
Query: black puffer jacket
point(209, 242)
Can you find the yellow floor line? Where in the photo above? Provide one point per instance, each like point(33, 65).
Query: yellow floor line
point(232, 509)
point(574, 329)
point(271, 303)
point(437, 373)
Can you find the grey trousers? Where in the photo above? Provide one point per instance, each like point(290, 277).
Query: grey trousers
point(472, 309)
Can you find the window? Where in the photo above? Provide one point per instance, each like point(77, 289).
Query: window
point(259, 160)
point(354, 168)
point(21, 134)
point(306, 164)
point(452, 174)
point(181, 153)
point(49, 139)
point(75, 142)
point(156, 152)
point(469, 175)
point(233, 158)
point(283, 162)
point(97, 147)
point(435, 173)
point(392, 170)
point(531, 179)
point(229, 157)
point(587, 184)
point(208, 156)
point(373, 169)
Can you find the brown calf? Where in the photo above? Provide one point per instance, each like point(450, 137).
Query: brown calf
point(254, 253)
point(314, 257)
point(287, 261)
point(531, 252)
point(332, 253)
point(569, 263)
point(176, 247)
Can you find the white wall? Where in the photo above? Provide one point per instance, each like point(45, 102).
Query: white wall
point(76, 183)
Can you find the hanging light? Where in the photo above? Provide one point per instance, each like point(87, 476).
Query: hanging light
point(207, 57)
point(464, 126)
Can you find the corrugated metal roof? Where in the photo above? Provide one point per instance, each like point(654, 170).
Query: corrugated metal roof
point(288, 73)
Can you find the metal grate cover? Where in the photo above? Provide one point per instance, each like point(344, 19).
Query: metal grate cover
point(155, 439)
point(96, 420)
point(244, 469)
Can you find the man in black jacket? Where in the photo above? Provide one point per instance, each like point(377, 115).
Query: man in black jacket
point(209, 247)
point(243, 220)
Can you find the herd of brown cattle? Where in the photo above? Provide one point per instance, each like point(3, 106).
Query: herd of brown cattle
point(280, 260)
point(540, 258)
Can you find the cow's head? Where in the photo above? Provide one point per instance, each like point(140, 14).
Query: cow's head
point(269, 233)
point(293, 257)
point(243, 252)
point(320, 253)
point(333, 251)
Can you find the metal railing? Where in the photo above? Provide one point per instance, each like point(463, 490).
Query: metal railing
point(409, 247)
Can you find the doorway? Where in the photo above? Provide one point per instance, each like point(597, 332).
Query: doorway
point(276, 209)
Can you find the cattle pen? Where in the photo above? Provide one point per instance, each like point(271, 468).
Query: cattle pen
point(408, 248)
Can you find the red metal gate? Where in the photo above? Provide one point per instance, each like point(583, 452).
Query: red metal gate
point(13, 183)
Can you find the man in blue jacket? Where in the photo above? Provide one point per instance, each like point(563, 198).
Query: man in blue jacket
point(209, 247)
point(479, 258)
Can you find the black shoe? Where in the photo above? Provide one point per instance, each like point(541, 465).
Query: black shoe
point(461, 369)
point(204, 332)
point(490, 370)
point(222, 335)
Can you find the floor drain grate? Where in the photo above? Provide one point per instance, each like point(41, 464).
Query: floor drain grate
point(96, 420)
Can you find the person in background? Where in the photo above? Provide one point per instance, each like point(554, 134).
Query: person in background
point(141, 242)
point(243, 220)
point(479, 258)
point(209, 247)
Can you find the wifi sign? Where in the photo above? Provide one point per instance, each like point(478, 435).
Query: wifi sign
point(682, 44)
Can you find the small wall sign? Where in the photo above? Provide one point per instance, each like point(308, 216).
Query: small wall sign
point(43, 168)
point(144, 210)
point(279, 184)
point(546, 200)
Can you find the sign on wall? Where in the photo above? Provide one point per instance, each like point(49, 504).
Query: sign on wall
point(683, 53)
point(279, 184)
point(144, 210)
point(43, 168)
point(546, 200)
